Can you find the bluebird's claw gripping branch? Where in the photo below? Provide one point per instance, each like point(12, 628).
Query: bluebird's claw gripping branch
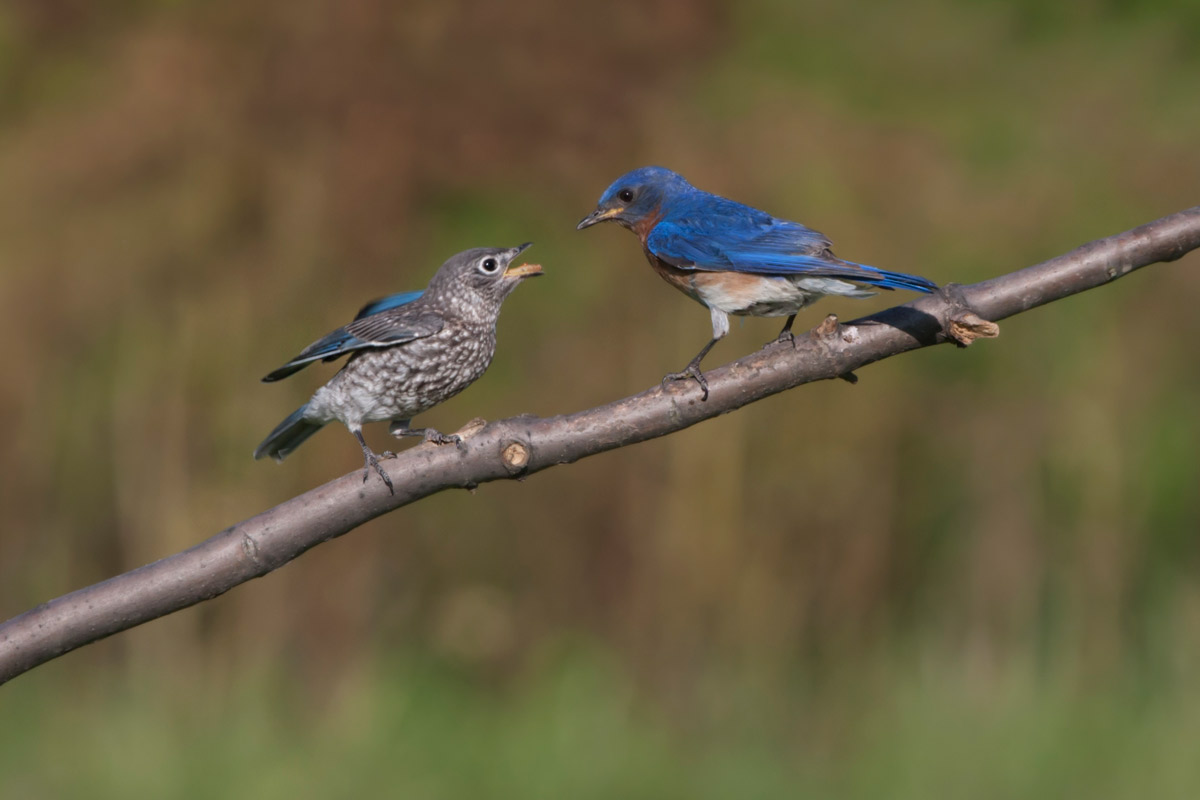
point(731, 258)
point(408, 352)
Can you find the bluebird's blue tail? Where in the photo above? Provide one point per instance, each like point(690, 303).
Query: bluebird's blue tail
point(287, 436)
point(893, 280)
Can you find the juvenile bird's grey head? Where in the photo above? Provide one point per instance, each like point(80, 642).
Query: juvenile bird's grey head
point(636, 197)
point(479, 279)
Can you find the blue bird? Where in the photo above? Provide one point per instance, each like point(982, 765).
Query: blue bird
point(731, 258)
point(408, 352)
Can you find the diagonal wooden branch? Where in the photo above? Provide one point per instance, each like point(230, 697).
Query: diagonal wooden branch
point(520, 446)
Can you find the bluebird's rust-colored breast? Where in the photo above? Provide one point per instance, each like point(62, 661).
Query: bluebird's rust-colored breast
point(646, 224)
point(681, 279)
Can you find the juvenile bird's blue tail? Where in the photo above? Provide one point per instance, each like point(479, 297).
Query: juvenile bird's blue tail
point(287, 436)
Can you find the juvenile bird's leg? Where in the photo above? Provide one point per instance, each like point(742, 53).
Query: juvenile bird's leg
point(372, 461)
point(400, 428)
point(692, 370)
point(786, 334)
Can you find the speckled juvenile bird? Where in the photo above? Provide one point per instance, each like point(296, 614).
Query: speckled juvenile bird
point(408, 353)
point(732, 258)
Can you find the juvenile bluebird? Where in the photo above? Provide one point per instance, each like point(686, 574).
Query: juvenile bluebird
point(732, 258)
point(408, 352)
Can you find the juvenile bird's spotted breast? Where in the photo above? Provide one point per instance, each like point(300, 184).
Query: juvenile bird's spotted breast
point(401, 382)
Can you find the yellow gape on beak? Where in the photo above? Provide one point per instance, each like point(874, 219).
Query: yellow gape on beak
point(523, 271)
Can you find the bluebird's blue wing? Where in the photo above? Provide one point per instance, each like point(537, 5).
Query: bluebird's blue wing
point(726, 236)
point(384, 303)
point(387, 328)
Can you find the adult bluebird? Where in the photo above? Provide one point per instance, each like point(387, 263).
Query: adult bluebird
point(408, 352)
point(732, 258)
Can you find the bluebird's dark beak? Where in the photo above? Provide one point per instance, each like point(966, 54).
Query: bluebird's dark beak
point(599, 215)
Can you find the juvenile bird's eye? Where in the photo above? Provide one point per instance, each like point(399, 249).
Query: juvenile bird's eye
point(489, 265)
point(625, 195)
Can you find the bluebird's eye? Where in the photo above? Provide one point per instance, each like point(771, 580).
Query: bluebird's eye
point(625, 195)
point(489, 266)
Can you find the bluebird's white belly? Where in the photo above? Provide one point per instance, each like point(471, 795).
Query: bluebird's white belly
point(766, 296)
point(762, 295)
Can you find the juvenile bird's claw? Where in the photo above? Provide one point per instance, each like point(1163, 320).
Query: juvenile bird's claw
point(437, 437)
point(372, 461)
point(431, 435)
point(690, 371)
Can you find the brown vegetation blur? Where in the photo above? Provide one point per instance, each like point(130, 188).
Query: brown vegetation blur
point(194, 191)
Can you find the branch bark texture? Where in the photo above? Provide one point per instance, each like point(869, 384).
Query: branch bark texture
point(521, 446)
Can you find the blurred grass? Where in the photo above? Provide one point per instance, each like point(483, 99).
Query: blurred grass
point(975, 573)
point(424, 728)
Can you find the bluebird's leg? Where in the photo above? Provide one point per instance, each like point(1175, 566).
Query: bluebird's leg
point(400, 428)
point(371, 461)
point(692, 370)
point(720, 327)
point(786, 334)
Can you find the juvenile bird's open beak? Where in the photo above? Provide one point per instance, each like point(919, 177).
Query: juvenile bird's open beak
point(523, 271)
point(599, 215)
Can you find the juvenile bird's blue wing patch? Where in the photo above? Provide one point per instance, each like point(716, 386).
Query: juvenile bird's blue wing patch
point(387, 328)
point(384, 303)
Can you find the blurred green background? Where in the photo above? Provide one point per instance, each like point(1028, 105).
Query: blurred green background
point(974, 574)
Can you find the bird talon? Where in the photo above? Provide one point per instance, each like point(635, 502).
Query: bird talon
point(784, 337)
point(374, 462)
point(437, 437)
point(691, 371)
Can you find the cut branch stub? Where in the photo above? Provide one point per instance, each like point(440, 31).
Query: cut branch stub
point(964, 325)
point(967, 326)
point(828, 328)
point(516, 457)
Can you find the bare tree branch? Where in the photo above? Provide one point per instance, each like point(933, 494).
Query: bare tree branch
point(520, 446)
